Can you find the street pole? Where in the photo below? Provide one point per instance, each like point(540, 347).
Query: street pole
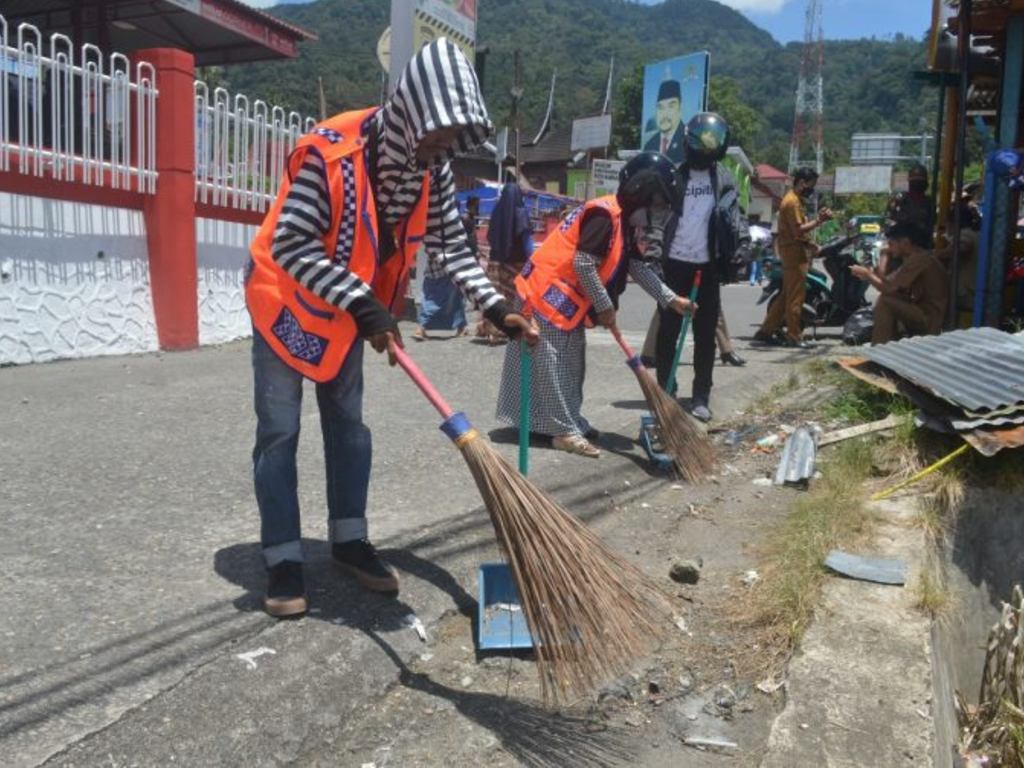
point(964, 50)
point(517, 95)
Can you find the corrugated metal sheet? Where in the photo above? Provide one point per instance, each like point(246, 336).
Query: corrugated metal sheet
point(989, 442)
point(980, 370)
point(796, 465)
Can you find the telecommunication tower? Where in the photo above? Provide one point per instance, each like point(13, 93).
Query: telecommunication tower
point(805, 148)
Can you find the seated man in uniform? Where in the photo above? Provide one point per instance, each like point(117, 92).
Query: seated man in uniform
point(914, 295)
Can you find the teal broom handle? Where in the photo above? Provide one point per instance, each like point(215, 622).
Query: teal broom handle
point(670, 385)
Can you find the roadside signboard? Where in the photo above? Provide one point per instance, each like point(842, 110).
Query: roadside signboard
point(591, 133)
point(866, 179)
point(604, 177)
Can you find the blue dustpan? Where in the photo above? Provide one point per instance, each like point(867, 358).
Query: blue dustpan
point(648, 428)
point(501, 623)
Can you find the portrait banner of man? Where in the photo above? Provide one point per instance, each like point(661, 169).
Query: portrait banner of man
point(674, 91)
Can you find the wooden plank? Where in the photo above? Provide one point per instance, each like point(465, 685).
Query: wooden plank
point(861, 429)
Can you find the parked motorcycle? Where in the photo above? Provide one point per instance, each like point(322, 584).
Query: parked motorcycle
point(832, 295)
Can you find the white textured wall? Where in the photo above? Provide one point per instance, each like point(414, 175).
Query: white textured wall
point(222, 249)
point(74, 281)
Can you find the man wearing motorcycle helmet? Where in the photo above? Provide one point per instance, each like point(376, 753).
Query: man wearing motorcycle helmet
point(700, 237)
point(573, 280)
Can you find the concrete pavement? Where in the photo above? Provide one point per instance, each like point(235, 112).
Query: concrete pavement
point(128, 547)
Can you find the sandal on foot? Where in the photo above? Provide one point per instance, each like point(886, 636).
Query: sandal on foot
point(575, 444)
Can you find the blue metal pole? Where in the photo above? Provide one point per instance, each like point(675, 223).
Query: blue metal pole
point(981, 287)
point(1009, 115)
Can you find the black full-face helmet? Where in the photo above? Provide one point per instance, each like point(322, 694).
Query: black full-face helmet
point(644, 179)
point(707, 139)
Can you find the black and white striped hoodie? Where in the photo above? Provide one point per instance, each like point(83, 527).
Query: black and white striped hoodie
point(438, 89)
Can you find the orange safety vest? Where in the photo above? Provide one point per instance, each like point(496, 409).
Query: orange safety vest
point(548, 282)
point(309, 334)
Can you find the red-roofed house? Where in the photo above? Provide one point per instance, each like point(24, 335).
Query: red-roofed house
point(766, 191)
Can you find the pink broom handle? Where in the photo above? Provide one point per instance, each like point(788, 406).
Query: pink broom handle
point(622, 342)
point(419, 378)
point(632, 359)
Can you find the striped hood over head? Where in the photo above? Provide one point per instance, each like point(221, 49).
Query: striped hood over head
point(438, 89)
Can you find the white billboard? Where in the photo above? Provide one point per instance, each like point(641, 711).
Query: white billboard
point(591, 133)
point(866, 179)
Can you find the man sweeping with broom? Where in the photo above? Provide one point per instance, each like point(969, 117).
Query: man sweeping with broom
point(363, 191)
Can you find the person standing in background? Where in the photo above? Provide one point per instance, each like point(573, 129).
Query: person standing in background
point(702, 236)
point(914, 206)
point(509, 235)
point(796, 251)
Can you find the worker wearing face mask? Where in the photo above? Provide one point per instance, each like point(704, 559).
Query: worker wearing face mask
point(915, 207)
point(796, 251)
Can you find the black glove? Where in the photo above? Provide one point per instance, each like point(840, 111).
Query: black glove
point(371, 316)
point(496, 314)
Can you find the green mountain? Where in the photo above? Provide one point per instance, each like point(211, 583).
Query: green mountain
point(868, 83)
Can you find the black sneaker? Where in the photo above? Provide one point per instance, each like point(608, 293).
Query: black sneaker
point(361, 560)
point(762, 338)
point(286, 591)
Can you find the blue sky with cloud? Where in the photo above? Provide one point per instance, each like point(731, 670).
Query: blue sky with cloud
point(784, 19)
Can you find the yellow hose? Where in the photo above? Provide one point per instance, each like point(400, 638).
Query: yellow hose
point(923, 473)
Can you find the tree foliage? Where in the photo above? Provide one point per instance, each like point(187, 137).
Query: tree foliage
point(724, 97)
point(868, 83)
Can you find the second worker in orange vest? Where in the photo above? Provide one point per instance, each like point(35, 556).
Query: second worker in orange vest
point(573, 280)
point(363, 192)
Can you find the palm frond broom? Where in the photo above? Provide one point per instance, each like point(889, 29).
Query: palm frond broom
point(686, 442)
point(592, 614)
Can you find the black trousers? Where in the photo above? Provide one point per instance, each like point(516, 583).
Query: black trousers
point(679, 276)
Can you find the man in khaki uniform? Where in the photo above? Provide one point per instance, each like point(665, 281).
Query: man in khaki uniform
point(914, 295)
point(796, 250)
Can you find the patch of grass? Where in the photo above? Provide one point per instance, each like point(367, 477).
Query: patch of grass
point(931, 597)
point(830, 515)
point(822, 370)
point(933, 517)
point(768, 403)
point(857, 402)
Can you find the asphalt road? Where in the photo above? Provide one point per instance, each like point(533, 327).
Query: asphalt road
point(129, 554)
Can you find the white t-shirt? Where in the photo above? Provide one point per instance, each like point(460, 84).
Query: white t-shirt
point(690, 242)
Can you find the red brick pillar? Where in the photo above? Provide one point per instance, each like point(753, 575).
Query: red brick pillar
point(170, 214)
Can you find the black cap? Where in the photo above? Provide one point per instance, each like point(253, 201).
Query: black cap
point(669, 89)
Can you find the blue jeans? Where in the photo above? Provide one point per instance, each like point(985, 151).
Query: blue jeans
point(347, 451)
point(755, 271)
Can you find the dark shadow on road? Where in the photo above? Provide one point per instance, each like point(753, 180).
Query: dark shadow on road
point(510, 436)
point(432, 573)
point(533, 734)
point(627, 448)
point(97, 671)
point(631, 405)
